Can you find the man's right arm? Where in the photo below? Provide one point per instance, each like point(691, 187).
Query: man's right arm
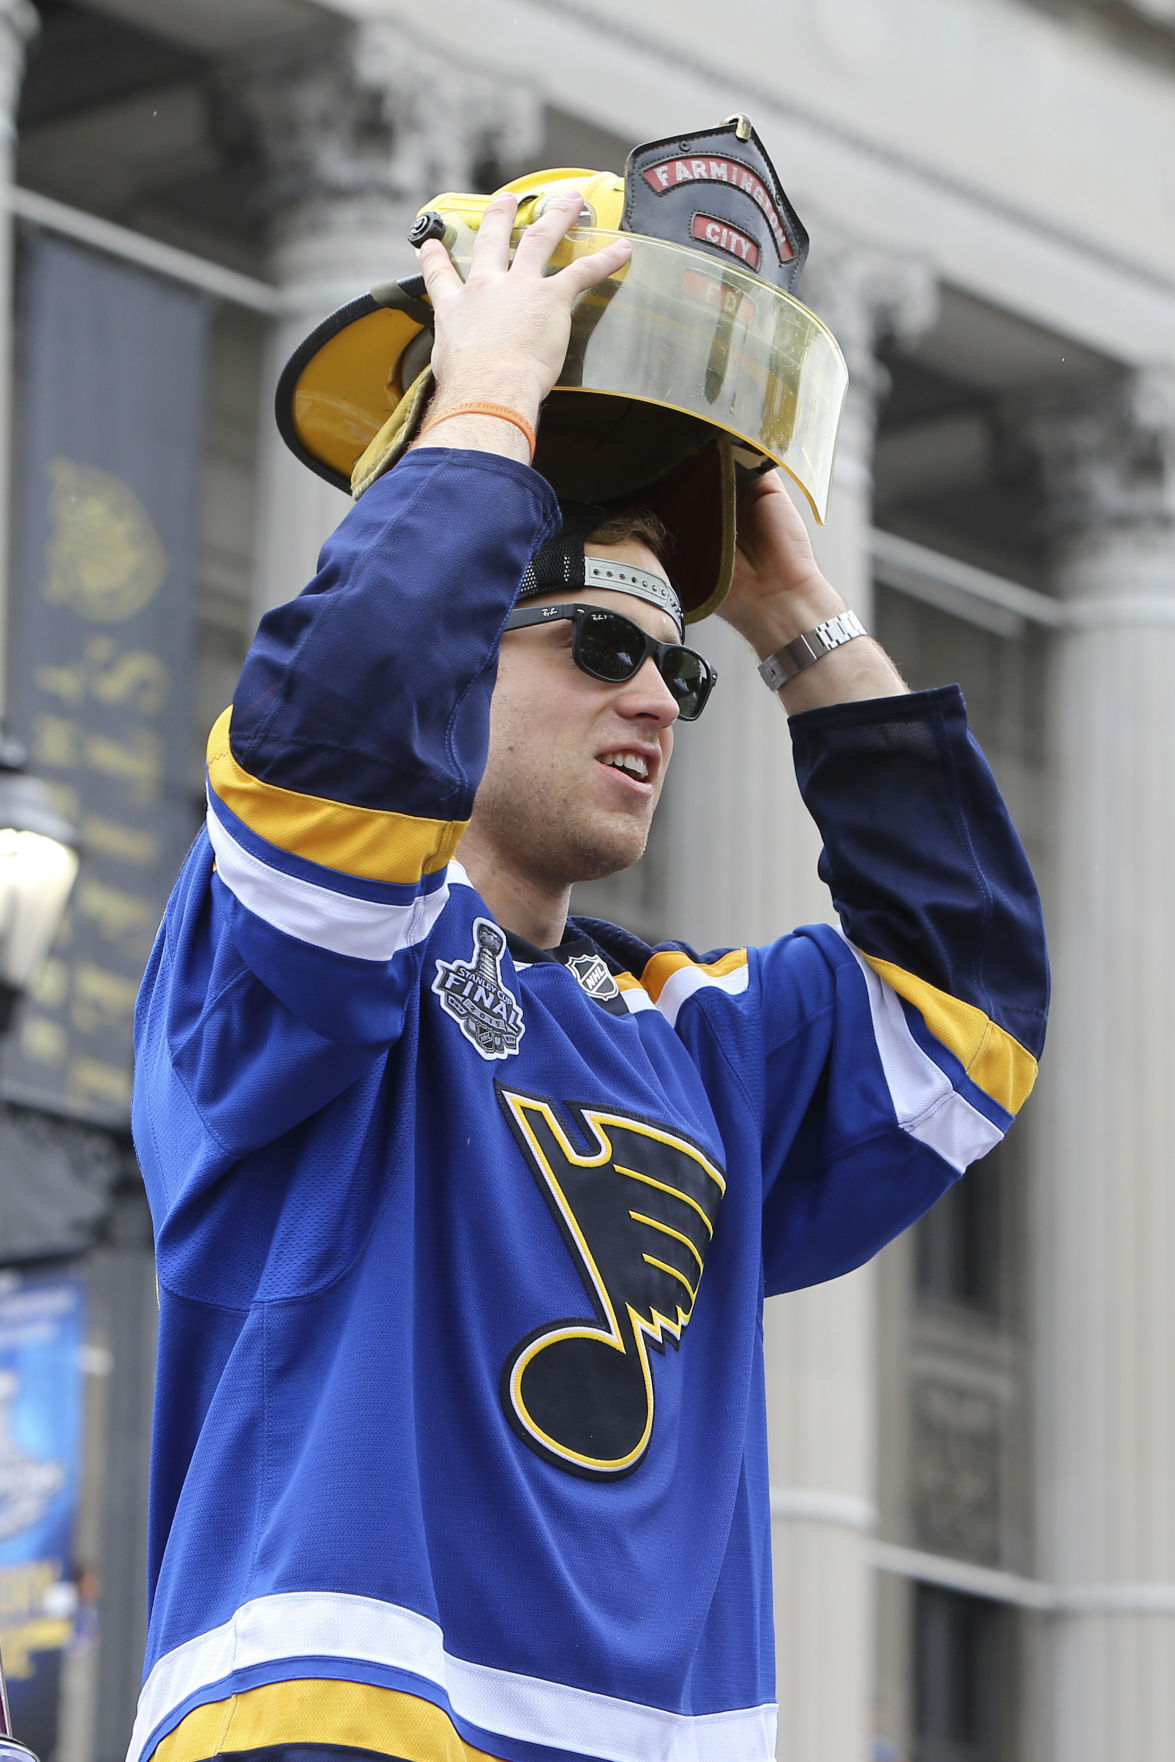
point(338, 785)
point(341, 777)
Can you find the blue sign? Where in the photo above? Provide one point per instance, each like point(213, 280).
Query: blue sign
point(42, 1331)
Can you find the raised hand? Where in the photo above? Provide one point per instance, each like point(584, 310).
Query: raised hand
point(502, 334)
point(778, 592)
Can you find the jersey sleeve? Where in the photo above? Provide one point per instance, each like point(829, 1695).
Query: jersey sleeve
point(875, 1061)
point(936, 986)
point(339, 782)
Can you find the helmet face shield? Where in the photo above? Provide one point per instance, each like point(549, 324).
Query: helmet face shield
point(680, 330)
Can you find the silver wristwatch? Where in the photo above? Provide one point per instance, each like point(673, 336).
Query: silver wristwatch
point(812, 646)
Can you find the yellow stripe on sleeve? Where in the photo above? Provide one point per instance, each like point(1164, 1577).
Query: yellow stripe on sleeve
point(355, 1715)
point(367, 842)
point(1001, 1067)
point(662, 967)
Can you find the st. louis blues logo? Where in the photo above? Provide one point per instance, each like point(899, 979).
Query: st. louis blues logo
point(474, 993)
point(637, 1210)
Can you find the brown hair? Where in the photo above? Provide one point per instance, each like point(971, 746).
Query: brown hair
point(639, 523)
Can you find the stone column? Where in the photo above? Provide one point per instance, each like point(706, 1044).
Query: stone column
point(864, 297)
point(743, 868)
point(351, 132)
point(18, 22)
point(1105, 1211)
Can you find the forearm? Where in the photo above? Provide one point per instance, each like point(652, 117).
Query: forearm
point(480, 431)
point(923, 862)
point(398, 627)
point(857, 670)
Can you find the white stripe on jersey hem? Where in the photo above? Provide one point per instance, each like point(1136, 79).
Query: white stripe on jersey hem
point(682, 985)
point(339, 922)
point(926, 1104)
point(310, 1624)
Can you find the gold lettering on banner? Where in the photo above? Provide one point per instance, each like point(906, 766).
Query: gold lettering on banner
point(43, 1041)
point(136, 760)
point(26, 1624)
point(65, 799)
point(102, 1000)
point(110, 838)
point(104, 557)
point(23, 1588)
point(51, 984)
point(67, 683)
point(109, 676)
point(134, 675)
point(95, 1079)
point(119, 916)
point(56, 742)
point(53, 1634)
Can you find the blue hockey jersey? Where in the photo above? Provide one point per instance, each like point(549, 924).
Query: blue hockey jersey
point(462, 1244)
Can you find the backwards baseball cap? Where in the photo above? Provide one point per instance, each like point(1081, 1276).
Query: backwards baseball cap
point(562, 562)
point(692, 367)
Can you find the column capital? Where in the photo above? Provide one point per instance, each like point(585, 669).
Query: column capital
point(348, 128)
point(19, 22)
point(1107, 460)
point(865, 295)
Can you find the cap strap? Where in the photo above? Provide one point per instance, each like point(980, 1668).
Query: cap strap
point(641, 583)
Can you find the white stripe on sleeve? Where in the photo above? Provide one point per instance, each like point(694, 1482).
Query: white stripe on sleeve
point(339, 922)
point(926, 1104)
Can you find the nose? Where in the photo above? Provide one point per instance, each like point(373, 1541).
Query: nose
point(647, 695)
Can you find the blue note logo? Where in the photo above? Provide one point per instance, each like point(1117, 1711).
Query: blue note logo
point(474, 993)
point(637, 1206)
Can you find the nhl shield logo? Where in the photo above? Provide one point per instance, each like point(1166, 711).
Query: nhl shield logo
point(592, 972)
point(475, 995)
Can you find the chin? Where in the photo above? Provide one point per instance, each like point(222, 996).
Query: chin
point(594, 859)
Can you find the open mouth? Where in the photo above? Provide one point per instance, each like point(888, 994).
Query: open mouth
point(636, 768)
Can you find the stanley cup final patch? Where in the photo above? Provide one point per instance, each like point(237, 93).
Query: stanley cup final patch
point(474, 993)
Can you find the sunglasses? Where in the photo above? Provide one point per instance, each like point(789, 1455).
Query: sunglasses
point(610, 646)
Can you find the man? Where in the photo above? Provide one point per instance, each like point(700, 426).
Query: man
point(465, 1213)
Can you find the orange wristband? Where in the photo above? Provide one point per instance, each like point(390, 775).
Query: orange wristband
point(502, 411)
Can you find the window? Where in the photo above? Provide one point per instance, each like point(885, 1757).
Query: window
point(957, 1243)
point(960, 1686)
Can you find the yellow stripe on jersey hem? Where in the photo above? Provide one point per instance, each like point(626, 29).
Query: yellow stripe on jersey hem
point(372, 843)
point(662, 967)
point(1000, 1066)
point(351, 1714)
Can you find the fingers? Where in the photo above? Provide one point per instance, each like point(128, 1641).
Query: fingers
point(436, 266)
point(584, 272)
point(540, 240)
point(541, 237)
point(491, 248)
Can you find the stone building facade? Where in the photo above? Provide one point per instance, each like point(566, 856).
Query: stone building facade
point(974, 1438)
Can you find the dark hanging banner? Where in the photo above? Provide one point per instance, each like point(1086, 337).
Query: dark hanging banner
point(110, 450)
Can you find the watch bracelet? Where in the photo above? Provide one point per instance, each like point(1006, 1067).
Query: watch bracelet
point(812, 646)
